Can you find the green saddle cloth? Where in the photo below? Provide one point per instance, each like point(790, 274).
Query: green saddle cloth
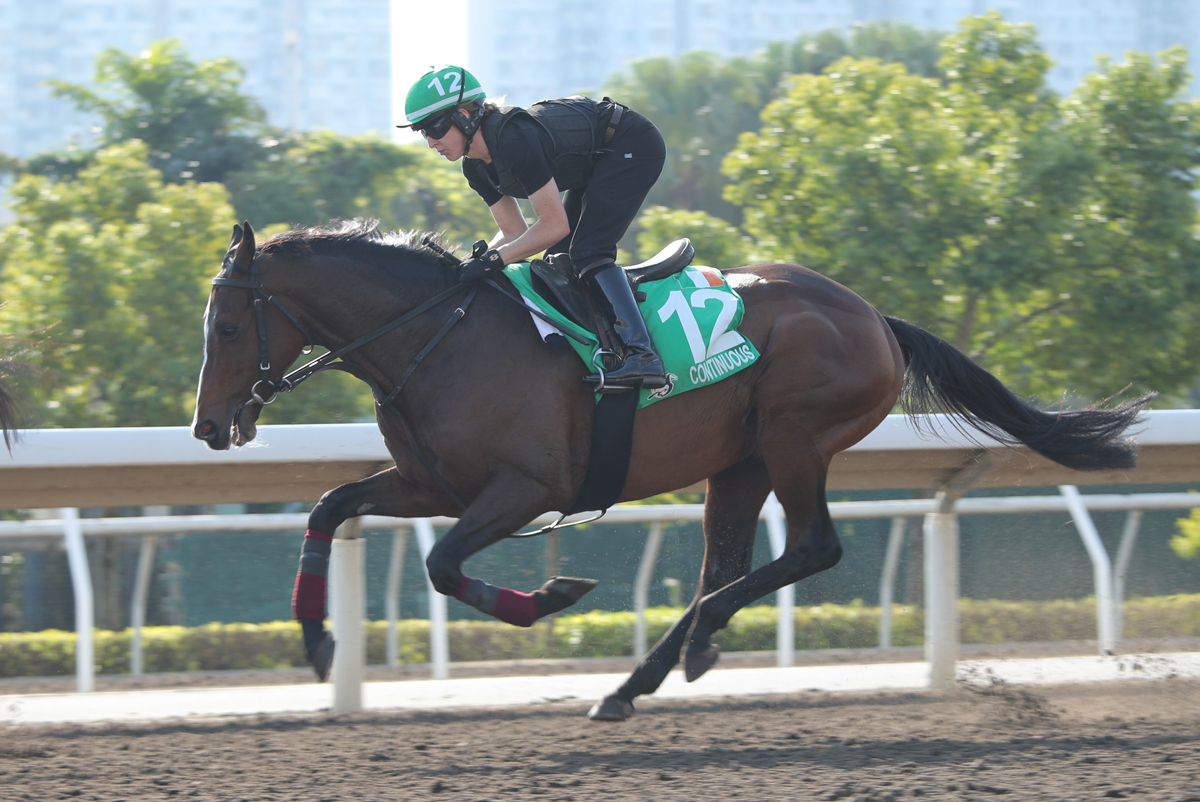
point(692, 317)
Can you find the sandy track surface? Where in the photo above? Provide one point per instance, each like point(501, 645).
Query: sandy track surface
point(1136, 739)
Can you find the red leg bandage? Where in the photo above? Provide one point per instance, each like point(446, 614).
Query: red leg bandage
point(510, 606)
point(308, 596)
point(515, 607)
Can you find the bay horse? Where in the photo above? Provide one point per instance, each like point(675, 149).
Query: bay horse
point(493, 425)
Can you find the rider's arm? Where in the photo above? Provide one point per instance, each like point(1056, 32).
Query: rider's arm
point(510, 221)
point(517, 242)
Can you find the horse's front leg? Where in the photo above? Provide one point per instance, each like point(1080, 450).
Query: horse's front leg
point(509, 501)
point(385, 493)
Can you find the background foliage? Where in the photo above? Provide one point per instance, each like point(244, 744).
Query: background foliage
point(1053, 239)
point(106, 266)
point(217, 647)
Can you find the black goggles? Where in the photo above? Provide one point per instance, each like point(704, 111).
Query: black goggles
point(437, 127)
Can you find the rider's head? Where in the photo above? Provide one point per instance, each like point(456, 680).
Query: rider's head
point(444, 98)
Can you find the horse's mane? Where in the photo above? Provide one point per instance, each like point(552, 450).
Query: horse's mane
point(359, 237)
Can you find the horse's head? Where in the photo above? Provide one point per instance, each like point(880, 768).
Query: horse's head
point(232, 390)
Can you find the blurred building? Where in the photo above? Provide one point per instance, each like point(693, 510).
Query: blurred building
point(311, 63)
point(532, 49)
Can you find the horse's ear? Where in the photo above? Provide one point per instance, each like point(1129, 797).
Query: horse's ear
point(244, 257)
point(237, 236)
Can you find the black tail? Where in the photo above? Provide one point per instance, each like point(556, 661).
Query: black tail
point(9, 411)
point(941, 378)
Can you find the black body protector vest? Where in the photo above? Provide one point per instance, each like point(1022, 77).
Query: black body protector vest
point(576, 126)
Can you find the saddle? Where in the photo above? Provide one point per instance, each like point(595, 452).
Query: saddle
point(557, 282)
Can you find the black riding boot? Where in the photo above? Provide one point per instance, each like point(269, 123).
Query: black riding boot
point(641, 365)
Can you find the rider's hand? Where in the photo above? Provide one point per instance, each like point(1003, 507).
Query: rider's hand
point(481, 266)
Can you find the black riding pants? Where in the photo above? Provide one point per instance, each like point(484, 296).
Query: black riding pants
point(601, 211)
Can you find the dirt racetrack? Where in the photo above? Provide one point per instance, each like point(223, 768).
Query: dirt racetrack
point(1136, 739)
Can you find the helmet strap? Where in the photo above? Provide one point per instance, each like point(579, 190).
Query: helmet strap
point(469, 126)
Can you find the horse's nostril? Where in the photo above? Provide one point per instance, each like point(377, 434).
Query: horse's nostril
point(207, 430)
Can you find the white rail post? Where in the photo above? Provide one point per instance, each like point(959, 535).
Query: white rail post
point(941, 592)
point(785, 597)
point(942, 570)
point(1133, 520)
point(439, 641)
point(348, 595)
point(641, 587)
point(392, 602)
point(137, 610)
point(81, 583)
point(1101, 567)
point(887, 583)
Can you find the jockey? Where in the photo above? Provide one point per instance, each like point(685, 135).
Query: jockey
point(604, 156)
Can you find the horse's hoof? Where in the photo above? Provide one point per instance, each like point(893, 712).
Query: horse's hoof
point(570, 586)
point(611, 708)
point(321, 657)
point(696, 663)
point(561, 592)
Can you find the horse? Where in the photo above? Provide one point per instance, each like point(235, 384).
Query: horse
point(492, 426)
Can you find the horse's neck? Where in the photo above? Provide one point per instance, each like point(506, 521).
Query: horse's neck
point(343, 300)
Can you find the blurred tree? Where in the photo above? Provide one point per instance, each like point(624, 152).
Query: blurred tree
point(717, 242)
point(1187, 543)
point(312, 178)
point(194, 121)
point(199, 127)
point(702, 102)
point(1055, 245)
point(432, 195)
point(1129, 256)
point(104, 267)
point(105, 252)
point(10, 167)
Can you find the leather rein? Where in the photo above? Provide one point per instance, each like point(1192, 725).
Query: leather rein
point(334, 361)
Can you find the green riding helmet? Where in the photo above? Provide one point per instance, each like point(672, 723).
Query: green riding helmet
point(440, 89)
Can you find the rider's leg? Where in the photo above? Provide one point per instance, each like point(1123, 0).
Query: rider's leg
point(614, 297)
point(620, 181)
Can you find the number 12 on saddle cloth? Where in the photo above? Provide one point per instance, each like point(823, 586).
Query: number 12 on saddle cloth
point(692, 317)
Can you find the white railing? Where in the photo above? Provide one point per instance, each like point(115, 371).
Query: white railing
point(348, 574)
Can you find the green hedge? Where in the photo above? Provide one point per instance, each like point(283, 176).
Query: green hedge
point(597, 634)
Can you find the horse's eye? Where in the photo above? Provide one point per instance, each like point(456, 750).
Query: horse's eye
point(227, 332)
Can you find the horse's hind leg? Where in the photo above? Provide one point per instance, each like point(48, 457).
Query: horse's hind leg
point(812, 547)
point(731, 509)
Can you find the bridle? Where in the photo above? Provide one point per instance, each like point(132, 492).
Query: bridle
point(266, 390)
point(261, 299)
